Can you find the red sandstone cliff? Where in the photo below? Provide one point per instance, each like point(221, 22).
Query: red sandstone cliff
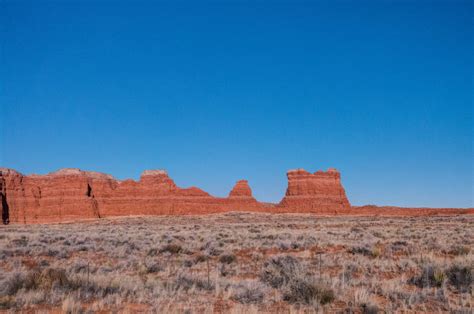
point(71, 194)
point(320, 192)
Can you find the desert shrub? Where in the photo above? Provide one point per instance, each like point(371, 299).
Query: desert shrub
point(22, 241)
point(227, 258)
point(286, 273)
point(44, 263)
point(186, 282)
point(295, 245)
point(171, 248)
point(152, 252)
point(431, 276)
point(47, 278)
point(36, 280)
point(212, 251)
point(52, 253)
point(13, 283)
point(200, 258)
point(306, 291)
point(459, 250)
point(460, 276)
point(188, 263)
point(279, 270)
point(369, 309)
point(366, 251)
point(153, 268)
point(360, 250)
point(284, 245)
point(248, 292)
point(82, 267)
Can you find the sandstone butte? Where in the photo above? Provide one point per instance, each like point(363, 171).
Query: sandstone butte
point(73, 194)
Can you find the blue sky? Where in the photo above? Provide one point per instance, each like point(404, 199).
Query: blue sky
point(219, 91)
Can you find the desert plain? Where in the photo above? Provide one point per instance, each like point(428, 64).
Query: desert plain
point(240, 262)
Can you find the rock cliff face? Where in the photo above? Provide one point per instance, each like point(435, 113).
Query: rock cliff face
point(315, 192)
point(72, 194)
point(241, 190)
point(62, 195)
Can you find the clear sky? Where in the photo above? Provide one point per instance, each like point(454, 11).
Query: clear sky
point(219, 91)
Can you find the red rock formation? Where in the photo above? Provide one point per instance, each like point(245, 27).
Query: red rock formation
point(241, 198)
point(241, 190)
point(71, 194)
point(61, 195)
point(319, 192)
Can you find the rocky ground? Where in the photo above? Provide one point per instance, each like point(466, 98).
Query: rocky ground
point(240, 262)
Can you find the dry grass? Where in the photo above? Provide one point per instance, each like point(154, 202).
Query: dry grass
point(240, 263)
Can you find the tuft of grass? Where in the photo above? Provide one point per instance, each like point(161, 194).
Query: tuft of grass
point(375, 252)
point(431, 276)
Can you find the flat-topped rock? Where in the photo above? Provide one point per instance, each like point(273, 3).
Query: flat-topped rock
point(321, 191)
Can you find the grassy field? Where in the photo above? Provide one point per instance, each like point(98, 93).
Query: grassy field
point(240, 263)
